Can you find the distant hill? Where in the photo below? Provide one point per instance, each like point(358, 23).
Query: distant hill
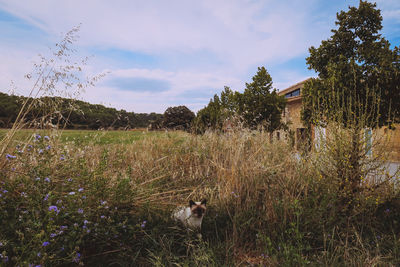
point(77, 114)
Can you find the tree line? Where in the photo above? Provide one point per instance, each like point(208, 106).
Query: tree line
point(75, 114)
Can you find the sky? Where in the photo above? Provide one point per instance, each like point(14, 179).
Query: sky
point(158, 54)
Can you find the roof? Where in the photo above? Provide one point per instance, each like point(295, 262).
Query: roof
point(293, 87)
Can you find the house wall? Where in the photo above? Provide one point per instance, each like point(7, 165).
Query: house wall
point(292, 115)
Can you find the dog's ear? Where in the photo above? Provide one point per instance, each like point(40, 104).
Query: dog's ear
point(191, 203)
point(204, 202)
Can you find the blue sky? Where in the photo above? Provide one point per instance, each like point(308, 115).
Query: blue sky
point(166, 53)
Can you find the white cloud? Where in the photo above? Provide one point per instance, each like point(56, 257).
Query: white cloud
point(235, 36)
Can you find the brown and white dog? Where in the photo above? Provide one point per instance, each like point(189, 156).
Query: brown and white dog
point(192, 216)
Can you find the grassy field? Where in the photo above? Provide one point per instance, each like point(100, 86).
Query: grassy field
point(85, 137)
point(105, 198)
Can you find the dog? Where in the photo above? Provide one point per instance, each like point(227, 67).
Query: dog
point(191, 216)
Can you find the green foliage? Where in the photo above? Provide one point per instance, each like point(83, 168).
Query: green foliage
point(179, 117)
point(258, 106)
point(358, 87)
point(74, 113)
point(358, 73)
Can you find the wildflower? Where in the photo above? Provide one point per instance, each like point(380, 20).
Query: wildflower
point(53, 235)
point(103, 202)
point(54, 208)
point(30, 147)
point(69, 180)
point(62, 157)
point(80, 210)
point(48, 147)
point(41, 151)
point(83, 197)
point(85, 222)
point(38, 254)
point(46, 138)
point(23, 194)
point(37, 178)
point(80, 189)
point(46, 197)
point(8, 156)
point(45, 244)
point(387, 210)
point(143, 225)
point(77, 258)
point(62, 227)
point(37, 137)
point(102, 216)
point(47, 179)
point(5, 191)
point(88, 231)
point(71, 193)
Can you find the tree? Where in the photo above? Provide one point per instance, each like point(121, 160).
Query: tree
point(358, 84)
point(260, 104)
point(179, 117)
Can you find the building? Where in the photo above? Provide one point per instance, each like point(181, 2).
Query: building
point(297, 132)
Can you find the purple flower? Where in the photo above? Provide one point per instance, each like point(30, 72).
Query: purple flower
point(62, 227)
point(143, 225)
point(5, 191)
point(77, 258)
point(85, 221)
point(37, 137)
point(48, 147)
point(23, 194)
point(46, 138)
point(30, 147)
point(41, 151)
point(80, 210)
point(54, 208)
point(46, 197)
point(69, 180)
point(103, 202)
point(38, 254)
point(8, 156)
point(45, 244)
point(62, 157)
point(83, 197)
point(387, 210)
point(71, 193)
point(53, 235)
point(47, 179)
point(80, 189)
point(37, 178)
point(102, 216)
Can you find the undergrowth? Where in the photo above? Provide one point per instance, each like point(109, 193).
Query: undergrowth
point(63, 203)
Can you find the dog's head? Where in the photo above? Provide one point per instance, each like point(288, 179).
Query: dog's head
point(198, 209)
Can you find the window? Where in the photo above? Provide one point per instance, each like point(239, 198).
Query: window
point(293, 93)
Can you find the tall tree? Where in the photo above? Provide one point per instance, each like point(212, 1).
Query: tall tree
point(260, 104)
point(358, 84)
